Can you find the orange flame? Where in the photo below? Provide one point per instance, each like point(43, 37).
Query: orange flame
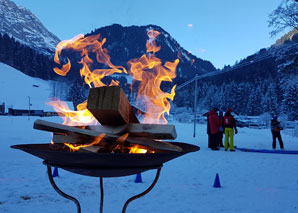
point(82, 117)
point(151, 43)
point(136, 149)
point(150, 72)
point(74, 147)
point(119, 143)
point(64, 44)
point(192, 62)
point(84, 45)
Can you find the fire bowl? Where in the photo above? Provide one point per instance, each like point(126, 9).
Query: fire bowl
point(102, 164)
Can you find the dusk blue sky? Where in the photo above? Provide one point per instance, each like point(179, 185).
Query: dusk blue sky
point(221, 31)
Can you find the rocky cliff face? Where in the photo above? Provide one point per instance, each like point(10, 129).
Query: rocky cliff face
point(20, 23)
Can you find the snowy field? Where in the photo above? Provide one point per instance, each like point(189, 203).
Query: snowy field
point(251, 182)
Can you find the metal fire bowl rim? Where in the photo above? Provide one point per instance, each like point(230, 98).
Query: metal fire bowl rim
point(103, 164)
point(188, 149)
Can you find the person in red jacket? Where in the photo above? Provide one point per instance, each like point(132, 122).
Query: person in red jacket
point(214, 124)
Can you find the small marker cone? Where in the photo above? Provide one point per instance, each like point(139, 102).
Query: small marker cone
point(55, 172)
point(138, 178)
point(216, 181)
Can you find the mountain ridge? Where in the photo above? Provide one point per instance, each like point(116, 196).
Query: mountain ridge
point(127, 42)
point(252, 87)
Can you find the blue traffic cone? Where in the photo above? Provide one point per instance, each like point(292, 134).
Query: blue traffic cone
point(55, 172)
point(138, 178)
point(216, 182)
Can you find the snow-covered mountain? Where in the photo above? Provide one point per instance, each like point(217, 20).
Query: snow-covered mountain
point(285, 50)
point(126, 43)
point(26, 28)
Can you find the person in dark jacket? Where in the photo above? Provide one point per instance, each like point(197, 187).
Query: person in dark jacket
point(229, 124)
point(208, 131)
point(214, 123)
point(275, 130)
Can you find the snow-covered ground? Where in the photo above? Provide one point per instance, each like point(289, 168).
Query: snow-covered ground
point(251, 182)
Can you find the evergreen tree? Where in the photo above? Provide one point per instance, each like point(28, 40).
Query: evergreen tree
point(77, 93)
point(254, 103)
point(290, 102)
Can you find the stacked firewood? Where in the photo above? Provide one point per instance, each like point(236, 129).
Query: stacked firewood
point(120, 130)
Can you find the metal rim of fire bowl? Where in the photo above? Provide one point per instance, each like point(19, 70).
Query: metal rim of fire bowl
point(103, 164)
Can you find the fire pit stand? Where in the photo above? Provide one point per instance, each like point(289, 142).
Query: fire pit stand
point(59, 191)
point(102, 164)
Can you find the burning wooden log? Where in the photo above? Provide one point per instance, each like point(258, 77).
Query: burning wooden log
point(90, 149)
point(153, 131)
point(120, 127)
point(153, 144)
point(110, 106)
point(73, 139)
point(156, 131)
point(82, 136)
point(60, 128)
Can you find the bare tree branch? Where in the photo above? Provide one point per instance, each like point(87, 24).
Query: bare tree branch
point(283, 17)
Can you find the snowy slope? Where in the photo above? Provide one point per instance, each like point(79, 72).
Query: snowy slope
point(16, 87)
point(25, 27)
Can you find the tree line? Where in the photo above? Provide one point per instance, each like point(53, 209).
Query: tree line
point(25, 59)
point(251, 90)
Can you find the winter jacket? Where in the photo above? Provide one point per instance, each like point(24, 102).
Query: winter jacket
point(208, 125)
point(214, 122)
point(232, 121)
point(275, 125)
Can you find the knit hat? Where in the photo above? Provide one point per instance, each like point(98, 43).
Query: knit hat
point(229, 110)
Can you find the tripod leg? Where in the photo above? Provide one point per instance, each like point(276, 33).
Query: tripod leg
point(143, 193)
point(60, 192)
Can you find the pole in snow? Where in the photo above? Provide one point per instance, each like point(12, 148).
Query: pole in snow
point(29, 108)
point(195, 106)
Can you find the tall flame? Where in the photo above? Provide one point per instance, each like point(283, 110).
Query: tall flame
point(93, 78)
point(149, 71)
point(64, 45)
